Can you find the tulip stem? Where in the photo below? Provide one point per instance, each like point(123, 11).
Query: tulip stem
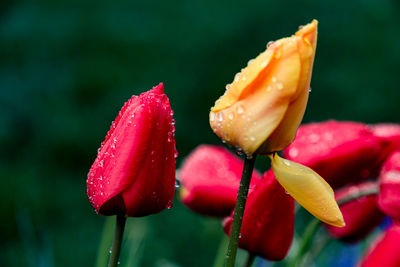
point(239, 210)
point(250, 260)
point(306, 241)
point(118, 236)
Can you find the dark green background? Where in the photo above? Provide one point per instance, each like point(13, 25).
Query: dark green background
point(66, 68)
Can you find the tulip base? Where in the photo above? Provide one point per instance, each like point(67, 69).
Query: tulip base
point(239, 210)
point(118, 236)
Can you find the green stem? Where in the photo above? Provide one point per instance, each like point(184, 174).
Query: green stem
point(239, 210)
point(118, 236)
point(250, 260)
point(309, 233)
point(220, 256)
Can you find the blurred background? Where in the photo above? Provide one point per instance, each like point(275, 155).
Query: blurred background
point(67, 67)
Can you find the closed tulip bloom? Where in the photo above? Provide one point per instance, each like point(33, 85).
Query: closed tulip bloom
point(268, 220)
point(360, 212)
point(264, 105)
point(134, 172)
point(389, 184)
point(341, 152)
point(384, 251)
point(210, 178)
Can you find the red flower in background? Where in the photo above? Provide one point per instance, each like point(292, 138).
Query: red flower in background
point(385, 251)
point(341, 152)
point(268, 220)
point(361, 214)
point(134, 172)
point(389, 134)
point(389, 180)
point(210, 178)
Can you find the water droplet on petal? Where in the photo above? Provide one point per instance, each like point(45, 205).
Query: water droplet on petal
point(239, 109)
point(270, 43)
point(212, 116)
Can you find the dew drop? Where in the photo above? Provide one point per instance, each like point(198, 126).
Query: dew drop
point(279, 86)
point(239, 109)
point(252, 138)
point(273, 79)
point(250, 61)
point(270, 43)
point(169, 204)
point(286, 162)
point(230, 116)
point(212, 116)
point(309, 90)
point(237, 77)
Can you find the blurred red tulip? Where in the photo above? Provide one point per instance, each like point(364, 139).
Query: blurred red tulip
point(389, 134)
point(389, 179)
point(384, 251)
point(360, 214)
point(268, 220)
point(341, 152)
point(210, 178)
point(134, 172)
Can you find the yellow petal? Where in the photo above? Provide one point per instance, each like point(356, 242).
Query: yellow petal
point(309, 189)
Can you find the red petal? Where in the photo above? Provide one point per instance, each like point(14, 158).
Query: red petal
point(341, 152)
point(361, 215)
point(136, 159)
point(384, 251)
point(210, 178)
point(389, 179)
point(268, 220)
point(389, 134)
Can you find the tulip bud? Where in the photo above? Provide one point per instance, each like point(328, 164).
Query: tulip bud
point(384, 251)
point(268, 220)
point(210, 178)
point(134, 172)
point(263, 107)
point(341, 152)
point(309, 189)
point(359, 210)
point(389, 184)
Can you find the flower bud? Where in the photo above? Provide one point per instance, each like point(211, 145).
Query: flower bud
point(210, 178)
point(341, 152)
point(268, 220)
point(389, 184)
point(263, 107)
point(134, 172)
point(360, 212)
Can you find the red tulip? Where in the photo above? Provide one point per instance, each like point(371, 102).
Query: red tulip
point(389, 134)
point(341, 152)
point(389, 179)
point(385, 250)
point(210, 178)
point(361, 214)
point(134, 172)
point(268, 220)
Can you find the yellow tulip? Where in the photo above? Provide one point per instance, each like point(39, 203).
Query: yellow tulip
point(309, 189)
point(264, 105)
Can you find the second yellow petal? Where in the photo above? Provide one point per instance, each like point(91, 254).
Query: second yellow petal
point(309, 189)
